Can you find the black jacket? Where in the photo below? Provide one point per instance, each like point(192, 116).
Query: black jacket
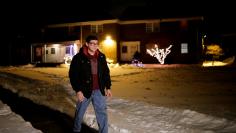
point(81, 76)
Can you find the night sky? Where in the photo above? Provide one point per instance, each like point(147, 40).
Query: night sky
point(26, 15)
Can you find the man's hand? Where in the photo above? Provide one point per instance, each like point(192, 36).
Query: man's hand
point(108, 93)
point(79, 96)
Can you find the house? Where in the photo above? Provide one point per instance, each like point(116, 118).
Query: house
point(121, 38)
point(54, 52)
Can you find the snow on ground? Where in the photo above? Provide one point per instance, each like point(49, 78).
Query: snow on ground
point(13, 123)
point(155, 98)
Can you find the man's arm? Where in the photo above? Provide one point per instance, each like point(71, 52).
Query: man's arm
point(74, 74)
point(107, 75)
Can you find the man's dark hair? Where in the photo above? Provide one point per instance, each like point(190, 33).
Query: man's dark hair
point(91, 37)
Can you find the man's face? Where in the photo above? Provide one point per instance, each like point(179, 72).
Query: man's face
point(92, 45)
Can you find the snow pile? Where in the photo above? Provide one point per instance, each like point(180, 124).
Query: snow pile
point(13, 123)
point(132, 117)
point(170, 85)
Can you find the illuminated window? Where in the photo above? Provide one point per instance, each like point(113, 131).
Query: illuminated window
point(53, 51)
point(184, 48)
point(67, 50)
point(152, 27)
point(96, 28)
point(100, 28)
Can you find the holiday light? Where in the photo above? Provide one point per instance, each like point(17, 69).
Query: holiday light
point(68, 59)
point(137, 63)
point(159, 54)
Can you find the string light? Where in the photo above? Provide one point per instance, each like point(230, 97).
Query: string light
point(159, 54)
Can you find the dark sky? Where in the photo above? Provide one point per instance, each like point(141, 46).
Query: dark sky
point(42, 10)
point(26, 15)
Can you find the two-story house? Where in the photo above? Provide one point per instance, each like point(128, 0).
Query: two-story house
point(121, 38)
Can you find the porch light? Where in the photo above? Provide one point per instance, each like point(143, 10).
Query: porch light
point(108, 41)
point(109, 48)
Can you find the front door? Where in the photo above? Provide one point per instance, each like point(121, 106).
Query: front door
point(128, 49)
point(38, 54)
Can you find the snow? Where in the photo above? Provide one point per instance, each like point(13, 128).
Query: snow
point(13, 123)
point(153, 98)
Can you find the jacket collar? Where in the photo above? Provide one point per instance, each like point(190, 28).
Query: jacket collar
point(85, 52)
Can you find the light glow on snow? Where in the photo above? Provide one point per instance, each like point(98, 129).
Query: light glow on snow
point(139, 94)
point(225, 62)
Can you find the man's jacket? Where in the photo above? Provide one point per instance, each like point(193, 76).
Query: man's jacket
point(80, 73)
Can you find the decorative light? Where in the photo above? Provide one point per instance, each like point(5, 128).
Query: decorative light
point(75, 48)
point(225, 62)
point(159, 54)
point(137, 63)
point(68, 59)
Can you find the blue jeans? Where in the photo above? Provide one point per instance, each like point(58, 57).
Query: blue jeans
point(99, 105)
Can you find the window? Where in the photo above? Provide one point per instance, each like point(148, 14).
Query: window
point(184, 48)
point(53, 51)
point(152, 27)
point(70, 30)
point(184, 25)
point(96, 28)
point(67, 50)
point(124, 49)
point(100, 28)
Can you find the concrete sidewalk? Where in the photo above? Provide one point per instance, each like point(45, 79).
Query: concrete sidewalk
point(11, 122)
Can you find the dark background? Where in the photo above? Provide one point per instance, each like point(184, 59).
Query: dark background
point(22, 21)
point(24, 17)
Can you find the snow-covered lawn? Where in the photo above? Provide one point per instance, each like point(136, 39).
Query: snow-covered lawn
point(155, 98)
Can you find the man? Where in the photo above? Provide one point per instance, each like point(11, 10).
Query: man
point(90, 78)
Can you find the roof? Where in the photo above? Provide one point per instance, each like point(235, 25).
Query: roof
point(122, 22)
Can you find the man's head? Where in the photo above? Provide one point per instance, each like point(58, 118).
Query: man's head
point(91, 37)
point(92, 44)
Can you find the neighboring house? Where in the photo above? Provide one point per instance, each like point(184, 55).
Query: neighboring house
point(57, 52)
point(120, 39)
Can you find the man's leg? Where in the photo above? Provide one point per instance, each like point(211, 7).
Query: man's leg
point(99, 104)
point(79, 114)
